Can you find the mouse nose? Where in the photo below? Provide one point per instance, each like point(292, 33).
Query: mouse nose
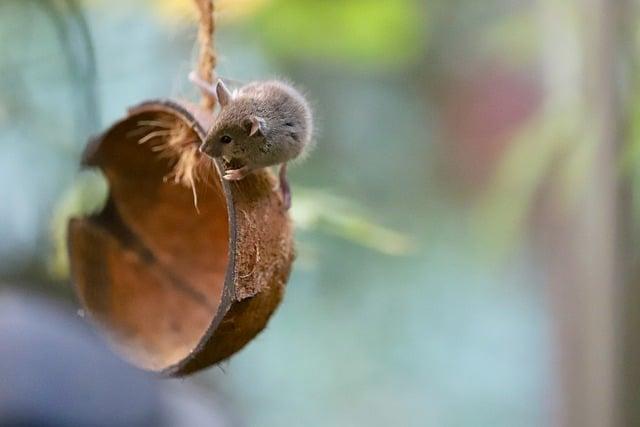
point(210, 149)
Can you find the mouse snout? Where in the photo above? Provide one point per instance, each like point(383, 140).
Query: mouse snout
point(211, 149)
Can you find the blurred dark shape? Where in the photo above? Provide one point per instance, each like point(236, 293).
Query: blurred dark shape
point(55, 371)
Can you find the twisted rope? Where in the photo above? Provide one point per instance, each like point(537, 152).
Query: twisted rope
point(207, 58)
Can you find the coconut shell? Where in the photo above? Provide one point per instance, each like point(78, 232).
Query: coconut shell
point(177, 288)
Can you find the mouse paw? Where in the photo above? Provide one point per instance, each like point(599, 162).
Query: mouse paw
point(236, 174)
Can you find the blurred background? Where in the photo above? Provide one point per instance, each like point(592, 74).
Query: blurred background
point(465, 227)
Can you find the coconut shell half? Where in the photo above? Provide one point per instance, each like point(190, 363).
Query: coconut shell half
point(177, 287)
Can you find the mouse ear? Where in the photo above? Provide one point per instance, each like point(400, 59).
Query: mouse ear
point(254, 125)
point(224, 96)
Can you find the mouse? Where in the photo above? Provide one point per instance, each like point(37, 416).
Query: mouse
point(262, 124)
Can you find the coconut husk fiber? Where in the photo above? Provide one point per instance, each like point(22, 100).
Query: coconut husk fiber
point(177, 286)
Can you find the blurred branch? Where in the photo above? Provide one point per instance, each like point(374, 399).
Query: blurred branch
point(581, 244)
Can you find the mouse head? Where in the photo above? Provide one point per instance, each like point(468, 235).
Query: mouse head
point(236, 127)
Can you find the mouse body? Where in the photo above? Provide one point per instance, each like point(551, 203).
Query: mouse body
point(263, 124)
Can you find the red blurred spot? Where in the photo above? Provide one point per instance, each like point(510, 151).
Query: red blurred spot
point(481, 112)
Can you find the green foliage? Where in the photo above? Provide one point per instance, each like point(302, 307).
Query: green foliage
point(317, 210)
point(87, 195)
point(516, 38)
point(369, 32)
point(630, 152)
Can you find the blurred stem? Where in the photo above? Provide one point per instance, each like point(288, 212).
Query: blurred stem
point(75, 38)
point(583, 245)
point(629, 374)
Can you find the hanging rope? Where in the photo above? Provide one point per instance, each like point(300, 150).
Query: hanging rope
point(207, 57)
point(176, 140)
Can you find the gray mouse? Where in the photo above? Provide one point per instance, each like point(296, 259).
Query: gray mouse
point(262, 124)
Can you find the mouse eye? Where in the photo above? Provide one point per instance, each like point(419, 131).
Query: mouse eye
point(225, 139)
